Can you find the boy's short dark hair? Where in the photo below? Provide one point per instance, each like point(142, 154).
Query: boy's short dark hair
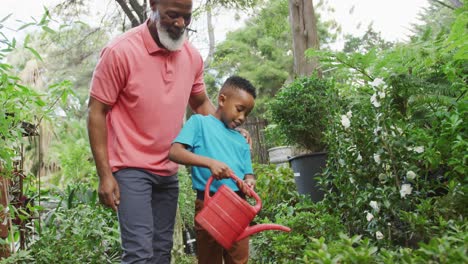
point(240, 83)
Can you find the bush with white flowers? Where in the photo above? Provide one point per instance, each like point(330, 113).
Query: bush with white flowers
point(385, 166)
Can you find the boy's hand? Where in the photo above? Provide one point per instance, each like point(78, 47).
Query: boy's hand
point(249, 183)
point(219, 170)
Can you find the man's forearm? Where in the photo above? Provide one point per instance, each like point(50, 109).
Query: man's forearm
point(206, 109)
point(201, 104)
point(97, 132)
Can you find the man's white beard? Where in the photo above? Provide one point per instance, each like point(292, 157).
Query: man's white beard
point(168, 42)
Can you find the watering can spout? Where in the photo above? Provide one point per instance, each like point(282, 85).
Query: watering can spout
point(261, 227)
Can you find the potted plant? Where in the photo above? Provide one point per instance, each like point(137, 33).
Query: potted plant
point(300, 111)
point(278, 150)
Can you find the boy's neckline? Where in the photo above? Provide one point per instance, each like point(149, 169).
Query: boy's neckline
point(221, 122)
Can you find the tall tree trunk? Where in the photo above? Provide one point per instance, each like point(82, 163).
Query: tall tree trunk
point(211, 36)
point(304, 30)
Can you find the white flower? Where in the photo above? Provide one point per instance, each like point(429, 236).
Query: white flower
point(377, 130)
point(377, 158)
point(374, 205)
point(410, 175)
point(345, 121)
point(400, 131)
point(351, 180)
point(379, 235)
point(374, 101)
point(377, 82)
point(382, 177)
point(406, 189)
point(359, 157)
point(349, 114)
point(369, 217)
point(381, 95)
point(341, 162)
point(60, 112)
point(419, 149)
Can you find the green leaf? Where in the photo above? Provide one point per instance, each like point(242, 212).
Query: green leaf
point(48, 30)
point(35, 53)
point(25, 26)
point(46, 15)
point(5, 18)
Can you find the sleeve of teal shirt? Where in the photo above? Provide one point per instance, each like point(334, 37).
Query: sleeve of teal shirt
point(247, 161)
point(188, 134)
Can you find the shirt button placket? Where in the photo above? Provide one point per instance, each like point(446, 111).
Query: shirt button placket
point(168, 75)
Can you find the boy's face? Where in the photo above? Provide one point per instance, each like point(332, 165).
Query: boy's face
point(235, 105)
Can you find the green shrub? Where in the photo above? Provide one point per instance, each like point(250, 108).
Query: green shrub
point(77, 230)
point(84, 234)
point(392, 179)
point(274, 186)
point(301, 111)
point(306, 220)
point(283, 205)
point(450, 248)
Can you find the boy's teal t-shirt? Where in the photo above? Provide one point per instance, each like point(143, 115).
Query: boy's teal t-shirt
point(208, 136)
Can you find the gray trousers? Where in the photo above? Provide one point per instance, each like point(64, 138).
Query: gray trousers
point(146, 213)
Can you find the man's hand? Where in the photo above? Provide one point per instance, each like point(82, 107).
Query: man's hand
point(109, 193)
point(219, 170)
point(250, 181)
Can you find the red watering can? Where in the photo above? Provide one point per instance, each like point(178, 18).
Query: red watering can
point(226, 216)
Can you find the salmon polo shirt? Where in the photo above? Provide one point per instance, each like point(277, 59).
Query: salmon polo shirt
point(148, 89)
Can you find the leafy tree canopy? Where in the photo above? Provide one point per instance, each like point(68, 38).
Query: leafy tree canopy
point(261, 51)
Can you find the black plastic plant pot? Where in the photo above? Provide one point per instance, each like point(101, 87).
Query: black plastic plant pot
point(306, 167)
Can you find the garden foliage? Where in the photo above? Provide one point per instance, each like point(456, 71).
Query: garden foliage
point(301, 112)
point(396, 139)
point(392, 118)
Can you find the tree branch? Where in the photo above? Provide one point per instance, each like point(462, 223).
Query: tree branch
point(139, 9)
point(128, 13)
point(456, 3)
point(443, 4)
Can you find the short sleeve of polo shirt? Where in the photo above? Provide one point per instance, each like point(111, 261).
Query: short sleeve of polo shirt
point(189, 133)
point(199, 83)
point(108, 77)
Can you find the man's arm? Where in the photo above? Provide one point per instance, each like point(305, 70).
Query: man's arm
point(179, 154)
point(109, 193)
point(201, 104)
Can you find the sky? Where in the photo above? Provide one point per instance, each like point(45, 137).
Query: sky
point(391, 17)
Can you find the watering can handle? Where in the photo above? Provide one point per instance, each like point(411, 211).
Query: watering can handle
point(258, 202)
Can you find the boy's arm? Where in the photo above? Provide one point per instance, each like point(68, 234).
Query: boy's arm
point(179, 154)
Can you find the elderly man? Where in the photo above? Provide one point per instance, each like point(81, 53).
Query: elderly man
point(140, 89)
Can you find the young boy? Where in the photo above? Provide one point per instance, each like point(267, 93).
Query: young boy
point(212, 146)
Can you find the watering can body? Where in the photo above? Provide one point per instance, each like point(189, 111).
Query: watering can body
point(226, 216)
